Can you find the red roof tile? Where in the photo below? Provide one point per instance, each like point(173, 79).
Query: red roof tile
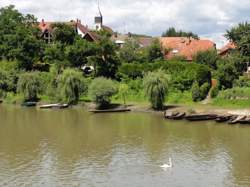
point(229, 46)
point(184, 46)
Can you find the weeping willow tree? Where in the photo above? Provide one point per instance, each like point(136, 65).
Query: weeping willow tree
point(156, 87)
point(29, 85)
point(71, 85)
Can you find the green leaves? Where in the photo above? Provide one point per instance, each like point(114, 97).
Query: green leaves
point(156, 87)
point(29, 85)
point(101, 90)
point(71, 85)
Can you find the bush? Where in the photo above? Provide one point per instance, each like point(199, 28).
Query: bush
point(200, 93)
point(101, 90)
point(208, 58)
point(204, 89)
point(195, 92)
point(156, 87)
point(243, 81)
point(215, 91)
point(71, 85)
point(29, 85)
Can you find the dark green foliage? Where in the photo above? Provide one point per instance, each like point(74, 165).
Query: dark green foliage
point(240, 35)
point(199, 93)
point(208, 58)
point(195, 92)
point(71, 85)
point(106, 61)
point(215, 91)
point(203, 75)
point(130, 70)
point(172, 32)
point(154, 51)
point(226, 73)
point(19, 37)
point(156, 87)
point(64, 33)
point(204, 89)
point(101, 90)
point(29, 85)
point(129, 52)
point(243, 81)
point(78, 53)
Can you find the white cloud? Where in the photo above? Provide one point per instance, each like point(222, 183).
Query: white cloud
point(207, 18)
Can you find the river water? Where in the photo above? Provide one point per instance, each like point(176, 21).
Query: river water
point(74, 148)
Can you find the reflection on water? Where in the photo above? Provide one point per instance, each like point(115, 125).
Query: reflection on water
point(75, 148)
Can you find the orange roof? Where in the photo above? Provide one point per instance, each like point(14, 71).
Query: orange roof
point(184, 46)
point(226, 48)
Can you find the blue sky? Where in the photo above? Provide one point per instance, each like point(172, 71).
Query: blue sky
point(208, 18)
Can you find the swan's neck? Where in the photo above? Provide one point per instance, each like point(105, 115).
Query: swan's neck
point(170, 162)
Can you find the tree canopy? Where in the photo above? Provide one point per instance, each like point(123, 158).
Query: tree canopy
point(172, 32)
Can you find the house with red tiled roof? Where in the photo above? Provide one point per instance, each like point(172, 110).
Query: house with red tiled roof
point(227, 49)
point(82, 30)
point(185, 47)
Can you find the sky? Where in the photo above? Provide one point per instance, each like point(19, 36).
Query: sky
point(208, 18)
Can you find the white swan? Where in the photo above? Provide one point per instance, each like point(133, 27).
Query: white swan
point(165, 166)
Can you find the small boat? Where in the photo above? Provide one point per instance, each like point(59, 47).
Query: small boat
point(245, 121)
point(224, 118)
point(54, 106)
point(236, 119)
point(28, 104)
point(110, 110)
point(175, 116)
point(201, 117)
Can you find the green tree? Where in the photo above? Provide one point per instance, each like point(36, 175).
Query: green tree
point(55, 54)
point(208, 58)
point(156, 87)
point(101, 90)
point(19, 37)
point(240, 35)
point(154, 51)
point(172, 32)
point(226, 73)
point(63, 33)
point(29, 85)
point(106, 61)
point(129, 52)
point(71, 85)
point(79, 52)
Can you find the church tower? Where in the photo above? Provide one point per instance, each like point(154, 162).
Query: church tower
point(98, 19)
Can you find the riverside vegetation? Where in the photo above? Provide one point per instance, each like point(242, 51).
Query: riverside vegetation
point(32, 70)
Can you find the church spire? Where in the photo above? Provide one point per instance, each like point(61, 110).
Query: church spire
point(98, 18)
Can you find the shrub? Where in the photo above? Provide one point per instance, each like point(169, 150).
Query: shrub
point(195, 90)
point(71, 85)
point(208, 58)
point(156, 87)
point(204, 89)
point(29, 85)
point(101, 90)
point(215, 91)
point(199, 93)
point(123, 91)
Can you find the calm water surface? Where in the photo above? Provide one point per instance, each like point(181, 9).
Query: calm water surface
point(75, 148)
